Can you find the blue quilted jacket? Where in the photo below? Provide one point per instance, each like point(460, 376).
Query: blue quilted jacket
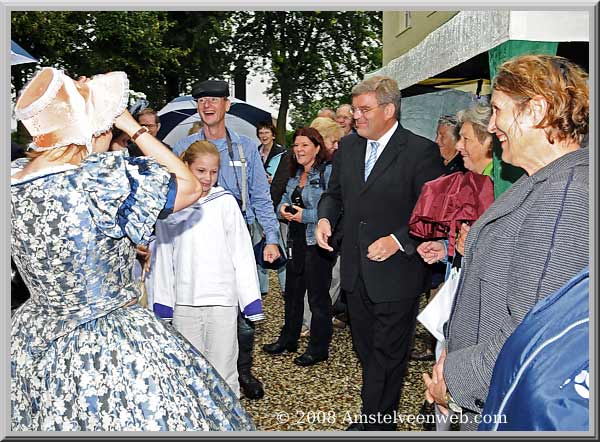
point(541, 377)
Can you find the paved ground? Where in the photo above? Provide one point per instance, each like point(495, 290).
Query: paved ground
point(323, 397)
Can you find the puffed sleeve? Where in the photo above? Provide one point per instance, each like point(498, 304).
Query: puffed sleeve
point(127, 195)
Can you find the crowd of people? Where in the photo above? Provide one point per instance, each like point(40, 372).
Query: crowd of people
point(211, 216)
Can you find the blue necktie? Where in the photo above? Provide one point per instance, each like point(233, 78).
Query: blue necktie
point(372, 159)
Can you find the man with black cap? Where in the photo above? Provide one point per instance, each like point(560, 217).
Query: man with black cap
point(243, 174)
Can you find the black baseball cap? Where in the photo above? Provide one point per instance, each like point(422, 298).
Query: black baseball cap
point(210, 88)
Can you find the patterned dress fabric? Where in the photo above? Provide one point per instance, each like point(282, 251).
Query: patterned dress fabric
point(80, 359)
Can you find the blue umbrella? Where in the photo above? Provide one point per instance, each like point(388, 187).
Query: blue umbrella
point(18, 55)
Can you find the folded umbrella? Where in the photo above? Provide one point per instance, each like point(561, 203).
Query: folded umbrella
point(446, 202)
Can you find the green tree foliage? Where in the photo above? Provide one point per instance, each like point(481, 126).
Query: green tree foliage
point(162, 52)
point(208, 38)
point(87, 43)
point(303, 115)
point(310, 54)
point(307, 55)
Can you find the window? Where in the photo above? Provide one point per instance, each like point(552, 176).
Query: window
point(404, 22)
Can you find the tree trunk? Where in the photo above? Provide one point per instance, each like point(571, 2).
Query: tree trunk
point(239, 80)
point(282, 117)
point(172, 86)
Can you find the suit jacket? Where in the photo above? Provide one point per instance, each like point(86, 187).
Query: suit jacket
point(379, 207)
point(527, 245)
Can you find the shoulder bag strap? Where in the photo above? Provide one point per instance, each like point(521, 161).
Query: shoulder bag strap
point(243, 161)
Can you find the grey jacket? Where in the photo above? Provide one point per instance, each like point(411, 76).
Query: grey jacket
point(527, 245)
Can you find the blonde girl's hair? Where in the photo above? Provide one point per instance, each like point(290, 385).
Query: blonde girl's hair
point(198, 148)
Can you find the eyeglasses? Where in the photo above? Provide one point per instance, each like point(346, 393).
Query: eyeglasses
point(365, 110)
point(211, 100)
point(150, 125)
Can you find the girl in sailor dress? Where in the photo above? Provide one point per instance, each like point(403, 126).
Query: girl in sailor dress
point(204, 270)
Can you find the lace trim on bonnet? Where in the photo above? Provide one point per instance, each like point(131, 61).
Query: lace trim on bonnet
point(55, 84)
point(121, 106)
point(38, 105)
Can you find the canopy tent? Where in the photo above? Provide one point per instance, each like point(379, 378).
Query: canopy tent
point(419, 113)
point(18, 55)
point(178, 116)
point(470, 33)
point(466, 50)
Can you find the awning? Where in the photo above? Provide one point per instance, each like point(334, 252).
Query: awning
point(470, 33)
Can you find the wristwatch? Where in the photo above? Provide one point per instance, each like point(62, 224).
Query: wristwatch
point(452, 405)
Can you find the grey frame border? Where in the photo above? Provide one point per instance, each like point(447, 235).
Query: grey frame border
point(6, 6)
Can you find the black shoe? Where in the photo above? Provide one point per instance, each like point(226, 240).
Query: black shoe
point(307, 360)
point(356, 426)
point(425, 356)
point(276, 348)
point(250, 386)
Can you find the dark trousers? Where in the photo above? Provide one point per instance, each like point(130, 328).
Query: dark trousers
point(245, 331)
point(382, 335)
point(308, 270)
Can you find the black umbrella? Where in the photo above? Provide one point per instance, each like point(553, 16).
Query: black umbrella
point(177, 117)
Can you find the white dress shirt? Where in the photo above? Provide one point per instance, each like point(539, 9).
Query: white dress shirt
point(385, 138)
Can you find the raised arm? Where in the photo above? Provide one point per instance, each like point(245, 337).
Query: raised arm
point(188, 187)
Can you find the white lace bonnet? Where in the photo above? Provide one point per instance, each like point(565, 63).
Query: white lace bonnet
point(58, 112)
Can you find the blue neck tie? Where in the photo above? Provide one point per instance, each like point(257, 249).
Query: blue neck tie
point(372, 159)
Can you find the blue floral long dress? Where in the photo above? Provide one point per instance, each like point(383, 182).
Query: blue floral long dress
point(80, 359)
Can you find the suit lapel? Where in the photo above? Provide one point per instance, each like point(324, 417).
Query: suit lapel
point(396, 144)
point(359, 161)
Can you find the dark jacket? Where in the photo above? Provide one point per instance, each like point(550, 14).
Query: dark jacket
point(280, 179)
point(456, 164)
point(378, 208)
point(275, 151)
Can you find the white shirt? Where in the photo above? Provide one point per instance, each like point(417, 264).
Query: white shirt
point(204, 255)
point(383, 141)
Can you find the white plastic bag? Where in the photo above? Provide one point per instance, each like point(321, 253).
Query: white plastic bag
point(437, 312)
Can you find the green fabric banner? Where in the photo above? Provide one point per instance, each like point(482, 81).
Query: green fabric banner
point(505, 174)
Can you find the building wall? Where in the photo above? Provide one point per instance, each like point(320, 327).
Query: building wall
point(403, 30)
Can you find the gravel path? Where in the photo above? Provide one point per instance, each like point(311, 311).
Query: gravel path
point(324, 397)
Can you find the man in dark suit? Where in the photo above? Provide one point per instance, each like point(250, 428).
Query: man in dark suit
point(376, 180)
